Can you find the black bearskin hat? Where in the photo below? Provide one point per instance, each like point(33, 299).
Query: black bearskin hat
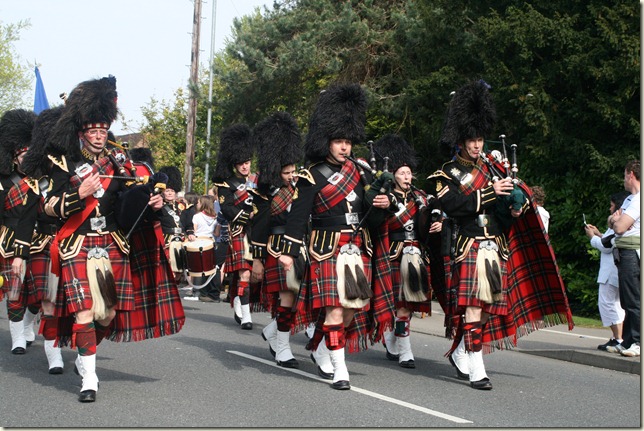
point(16, 128)
point(279, 143)
point(174, 178)
point(35, 163)
point(399, 152)
point(142, 155)
point(340, 113)
point(470, 114)
point(91, 104)
point(235, 147)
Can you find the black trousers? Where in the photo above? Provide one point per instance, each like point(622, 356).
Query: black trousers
point(628, 271)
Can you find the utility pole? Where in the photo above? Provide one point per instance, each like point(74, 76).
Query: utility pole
point(212, 67)
point(193, 89)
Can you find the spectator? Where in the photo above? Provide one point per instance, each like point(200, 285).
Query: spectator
point(205, 221)
point(610, 310)
point(626, 224)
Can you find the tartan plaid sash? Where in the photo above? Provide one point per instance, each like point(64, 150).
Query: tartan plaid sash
point(332, 194)
point(16, 195)
point(282, 199)
point(78, 218)
point(398, 222)
point(242, 195)
point(479, 180)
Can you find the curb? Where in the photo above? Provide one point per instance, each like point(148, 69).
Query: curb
point(632, 366)
point(610, 361)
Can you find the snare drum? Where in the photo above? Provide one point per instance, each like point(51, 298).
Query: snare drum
point(177, 255)
point(200, 257)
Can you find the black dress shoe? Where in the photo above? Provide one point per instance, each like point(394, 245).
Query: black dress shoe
point(88, 396)
point(56, 370)
point(19, 351)
point(327, 376)
point(247, 325)
point(29, 343)
point(270, 349)
point(237, 318)
point(291, 363)
point(459, 374)
point(341, 385)
point(483, 384)
point(407, 364)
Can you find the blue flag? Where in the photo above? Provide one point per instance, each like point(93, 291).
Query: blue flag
point(40, 100)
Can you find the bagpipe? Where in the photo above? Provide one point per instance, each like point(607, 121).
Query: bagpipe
point(501, 167)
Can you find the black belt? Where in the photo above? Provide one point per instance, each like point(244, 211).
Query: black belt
point(47, 229)
point(321, 222)
point(278, 230)
point(402, 236)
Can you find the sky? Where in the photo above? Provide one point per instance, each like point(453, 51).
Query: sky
point(145, 44)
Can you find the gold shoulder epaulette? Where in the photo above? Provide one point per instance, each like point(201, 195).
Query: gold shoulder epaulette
point(305, 173)
point(61, 162)
point(33, 184)
point(222, 184)
point(438, 174)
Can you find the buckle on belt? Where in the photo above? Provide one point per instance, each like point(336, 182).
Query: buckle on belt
point(97, 223)
point(410, 236)
point(488, 245)
point(352, 218)
point(483, 220)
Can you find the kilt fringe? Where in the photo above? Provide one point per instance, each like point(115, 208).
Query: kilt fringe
point(509, 343)
point(167, 328)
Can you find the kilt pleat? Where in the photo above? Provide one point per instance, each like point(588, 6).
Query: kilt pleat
point(157, 308)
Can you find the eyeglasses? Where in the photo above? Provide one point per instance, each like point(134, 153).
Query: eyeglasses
point(96, 132)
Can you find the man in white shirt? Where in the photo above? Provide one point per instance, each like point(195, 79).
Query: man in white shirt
point(626, 224)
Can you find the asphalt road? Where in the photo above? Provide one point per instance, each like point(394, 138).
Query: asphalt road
point(213, 374)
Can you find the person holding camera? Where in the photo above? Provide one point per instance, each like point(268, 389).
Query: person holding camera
point(610, 310)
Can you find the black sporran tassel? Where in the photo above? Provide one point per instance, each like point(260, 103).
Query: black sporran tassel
point(350, 285)
point(298, 266)
point(424, 279)
point(494, 276)
point(363, 283)
point(414, 279)
point(177, 258)
point(110, 292)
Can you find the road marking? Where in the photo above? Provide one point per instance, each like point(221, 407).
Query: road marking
point(572, 334)
point(356, 389)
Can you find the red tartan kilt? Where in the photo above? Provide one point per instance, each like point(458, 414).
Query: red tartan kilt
point(465, 281)
point(37, 276)
point(419, 307)
point(323, 275)
point(25, 296)
point(71, 299)
point(159, 311)
point(235, 258)
point(274, 276)
point(5, 267)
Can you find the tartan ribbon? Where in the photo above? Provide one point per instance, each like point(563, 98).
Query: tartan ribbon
point(398, 222)
point(71, 225)
point(282, 200)
point(16, 195)
point(332, 194)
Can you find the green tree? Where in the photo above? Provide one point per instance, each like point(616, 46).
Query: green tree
point(15, 78)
